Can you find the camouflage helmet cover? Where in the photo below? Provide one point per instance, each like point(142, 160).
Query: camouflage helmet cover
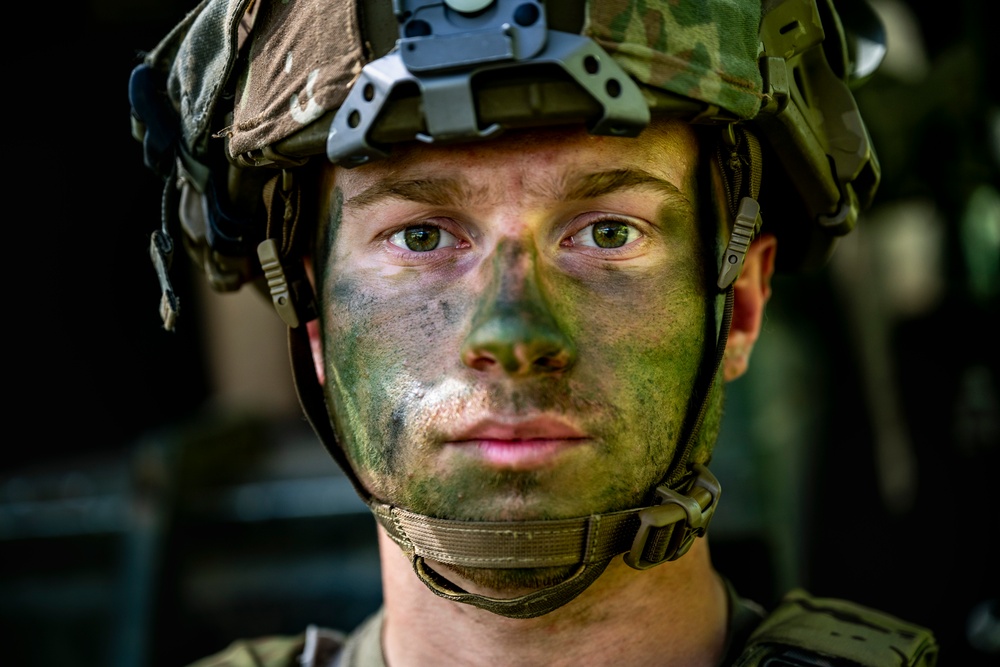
point(304, 56)
point(265, 84)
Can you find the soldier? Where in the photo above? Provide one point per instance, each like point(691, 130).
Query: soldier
point(519, 248)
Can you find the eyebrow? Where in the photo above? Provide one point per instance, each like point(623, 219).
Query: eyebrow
point(448, 191)
point(601, 183)
point(430, 191)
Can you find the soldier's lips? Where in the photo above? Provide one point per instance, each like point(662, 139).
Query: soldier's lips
point(518, 444)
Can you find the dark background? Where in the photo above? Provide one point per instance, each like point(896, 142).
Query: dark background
point(164, 507)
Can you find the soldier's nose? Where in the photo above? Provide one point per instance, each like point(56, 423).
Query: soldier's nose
point(514, 330)
point(517, 346)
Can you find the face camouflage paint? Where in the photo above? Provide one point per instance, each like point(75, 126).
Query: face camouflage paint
point(515, 341)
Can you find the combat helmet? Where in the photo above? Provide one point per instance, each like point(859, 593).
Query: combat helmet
point(243, 95)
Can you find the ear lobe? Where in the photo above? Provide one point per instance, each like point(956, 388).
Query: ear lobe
point(751, 291)
point(315, 335)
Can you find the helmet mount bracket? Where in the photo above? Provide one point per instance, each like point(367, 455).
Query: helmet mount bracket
point(442, 52)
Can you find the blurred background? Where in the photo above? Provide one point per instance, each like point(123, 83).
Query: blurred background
point(175, 500)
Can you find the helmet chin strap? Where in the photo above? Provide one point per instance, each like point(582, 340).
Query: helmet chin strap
point(536, 603)
point(661, 531)
point(648, 536)
point(680, 509)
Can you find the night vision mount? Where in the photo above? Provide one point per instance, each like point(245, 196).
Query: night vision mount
point(445, 47)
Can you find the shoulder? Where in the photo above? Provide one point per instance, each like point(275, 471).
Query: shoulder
point(804, 627)
point(278, 650)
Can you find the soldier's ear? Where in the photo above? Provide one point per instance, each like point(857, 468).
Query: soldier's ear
point(751, 290)
point(313, 327)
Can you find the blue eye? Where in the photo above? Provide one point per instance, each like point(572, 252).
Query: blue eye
point(606, 234)
point(423, 238)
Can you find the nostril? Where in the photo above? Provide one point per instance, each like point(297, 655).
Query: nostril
point(556, 360)
point(518, 346)
point(517, 358)
point(481, 363)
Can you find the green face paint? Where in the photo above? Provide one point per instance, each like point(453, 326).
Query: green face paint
point(513, 330)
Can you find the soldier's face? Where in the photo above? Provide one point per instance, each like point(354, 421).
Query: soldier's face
point(511, 330)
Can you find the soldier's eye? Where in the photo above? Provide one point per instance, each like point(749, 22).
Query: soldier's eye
point(606, 234)
point(423, 238)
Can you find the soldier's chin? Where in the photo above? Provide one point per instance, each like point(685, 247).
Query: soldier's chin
point(502, 583)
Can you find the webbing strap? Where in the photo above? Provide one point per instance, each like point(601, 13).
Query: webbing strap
point(282, 199)
point(739, 159)
point(313, 402)
point(521, 544)
point(161, 251)
point(679, 468)
point(650, 535)
point(531, 605)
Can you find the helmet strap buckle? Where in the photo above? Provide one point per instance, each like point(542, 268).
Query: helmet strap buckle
point(291, 292)
point(161, 251)
point(667, 530)
point(745, 227)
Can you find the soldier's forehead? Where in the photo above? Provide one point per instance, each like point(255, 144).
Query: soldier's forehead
point(667, 146)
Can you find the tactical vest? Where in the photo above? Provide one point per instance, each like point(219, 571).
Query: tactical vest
point(821, 632)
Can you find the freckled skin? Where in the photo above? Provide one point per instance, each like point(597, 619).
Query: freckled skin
point(618, 341)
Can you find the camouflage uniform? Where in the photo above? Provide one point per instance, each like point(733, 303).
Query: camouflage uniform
point(803, 631)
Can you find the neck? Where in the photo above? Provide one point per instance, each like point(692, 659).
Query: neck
point(673, 614)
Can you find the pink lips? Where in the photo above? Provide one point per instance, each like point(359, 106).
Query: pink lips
point(519, 444)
